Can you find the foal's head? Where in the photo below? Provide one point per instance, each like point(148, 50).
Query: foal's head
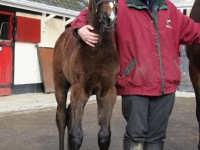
point(106, 11)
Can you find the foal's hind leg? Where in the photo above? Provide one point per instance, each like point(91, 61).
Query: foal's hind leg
point(78, 100)
point(105, 108)
point(195, 78)
point(61, 89)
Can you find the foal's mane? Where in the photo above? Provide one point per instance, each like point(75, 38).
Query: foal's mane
point(92, 16)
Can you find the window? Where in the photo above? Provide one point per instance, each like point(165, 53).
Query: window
point(4, 27)
point(28, 30)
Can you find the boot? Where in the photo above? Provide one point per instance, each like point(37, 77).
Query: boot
point(154, 146)
point(128, 145)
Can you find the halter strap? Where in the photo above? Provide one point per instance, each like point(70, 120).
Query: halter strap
point(101, 1)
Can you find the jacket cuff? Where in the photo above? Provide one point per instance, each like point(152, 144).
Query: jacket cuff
point(76, 33)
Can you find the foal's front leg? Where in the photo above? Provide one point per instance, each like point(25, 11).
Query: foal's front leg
point(61, 89)
point(105, 108)
point(78, 100)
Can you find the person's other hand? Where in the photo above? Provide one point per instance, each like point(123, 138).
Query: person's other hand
point(87, 36)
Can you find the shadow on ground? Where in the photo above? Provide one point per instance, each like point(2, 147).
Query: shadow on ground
point(36, 129)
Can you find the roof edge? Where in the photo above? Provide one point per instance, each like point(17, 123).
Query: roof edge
point(183, 5)
point(38, 7)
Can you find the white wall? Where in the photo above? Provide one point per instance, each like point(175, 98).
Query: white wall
point(26, 62)
point(52, 29)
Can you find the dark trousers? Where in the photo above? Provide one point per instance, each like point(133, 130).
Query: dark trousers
point(147, 117)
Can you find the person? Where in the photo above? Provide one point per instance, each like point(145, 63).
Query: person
point(148, 34)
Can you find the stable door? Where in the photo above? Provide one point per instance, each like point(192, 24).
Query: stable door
point(6, 52)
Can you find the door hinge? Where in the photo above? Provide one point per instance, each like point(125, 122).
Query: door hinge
point(14, 22)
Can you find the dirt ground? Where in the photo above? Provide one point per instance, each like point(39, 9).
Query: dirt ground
point(36, 129)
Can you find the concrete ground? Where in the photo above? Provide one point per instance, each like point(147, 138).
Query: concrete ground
point(27, 122)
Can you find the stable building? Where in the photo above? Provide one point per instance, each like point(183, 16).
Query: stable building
point(28, 32)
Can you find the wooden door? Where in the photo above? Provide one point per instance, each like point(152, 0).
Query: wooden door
point(6, 52)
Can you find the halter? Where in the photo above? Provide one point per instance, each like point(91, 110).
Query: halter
point(102, 27)
point(102, 1)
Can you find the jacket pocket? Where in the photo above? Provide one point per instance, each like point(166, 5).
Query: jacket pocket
point(129, 68)
point(173, 73)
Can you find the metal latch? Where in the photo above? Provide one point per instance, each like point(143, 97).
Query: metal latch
point(1, 45)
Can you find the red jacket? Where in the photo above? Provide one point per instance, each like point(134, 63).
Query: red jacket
point(148, 46)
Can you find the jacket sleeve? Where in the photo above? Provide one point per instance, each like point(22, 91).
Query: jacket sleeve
point(189, 31)
point(79, 21)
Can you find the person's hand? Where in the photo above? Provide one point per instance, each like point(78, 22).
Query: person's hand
point(87, 36)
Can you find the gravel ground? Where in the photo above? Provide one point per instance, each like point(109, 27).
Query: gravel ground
point(35, 128)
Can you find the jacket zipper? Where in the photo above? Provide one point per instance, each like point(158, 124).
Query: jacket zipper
point(155, 9)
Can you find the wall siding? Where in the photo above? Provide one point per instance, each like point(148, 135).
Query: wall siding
point(26, 60)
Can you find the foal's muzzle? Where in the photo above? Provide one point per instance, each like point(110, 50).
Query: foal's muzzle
point(108, 21)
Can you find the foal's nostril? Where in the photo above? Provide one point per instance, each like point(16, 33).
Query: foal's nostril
point(109, 21)
point(104, 16)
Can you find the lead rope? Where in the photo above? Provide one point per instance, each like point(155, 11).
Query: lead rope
point(100, 37)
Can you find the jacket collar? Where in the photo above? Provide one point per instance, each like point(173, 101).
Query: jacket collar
point(140, 3)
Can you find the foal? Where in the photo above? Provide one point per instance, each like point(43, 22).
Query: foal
point(86, 70)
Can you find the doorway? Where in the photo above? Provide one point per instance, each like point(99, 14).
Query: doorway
point(6, 52)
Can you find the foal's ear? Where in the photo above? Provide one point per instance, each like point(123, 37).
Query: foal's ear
point(116, 3)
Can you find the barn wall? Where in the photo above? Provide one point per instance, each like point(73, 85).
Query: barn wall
point(53, 28)
point(26, 62)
